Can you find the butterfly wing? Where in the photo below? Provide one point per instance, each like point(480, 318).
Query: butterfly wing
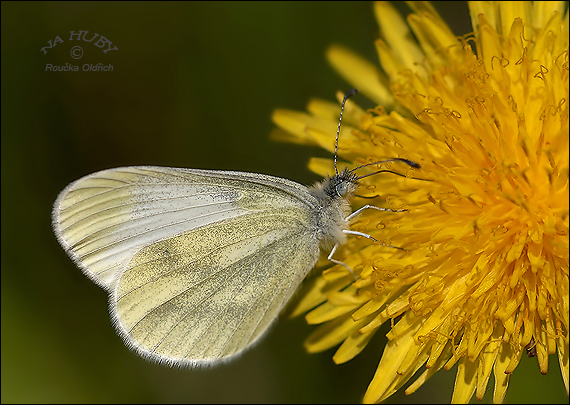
point(197, 263)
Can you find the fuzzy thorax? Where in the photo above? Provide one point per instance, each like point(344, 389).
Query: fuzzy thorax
point(333, 194)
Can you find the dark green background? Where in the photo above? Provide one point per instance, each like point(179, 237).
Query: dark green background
point(193, 85)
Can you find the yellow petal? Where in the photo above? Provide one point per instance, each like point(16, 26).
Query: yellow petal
point(398, 37)
point(430, 371)
point(331, 333)
point(352, 346)
point(563, 359)
point(362, 74)
point(487, 360)
point(501, 378)
point(386, 373)
point(316, 291)
point(464, 382)
point(510, 10)
point(543, 11)
point(326, 312)
point(295, 123)
point(489, 8)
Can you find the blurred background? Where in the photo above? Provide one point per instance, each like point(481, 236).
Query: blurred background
point(193, 85)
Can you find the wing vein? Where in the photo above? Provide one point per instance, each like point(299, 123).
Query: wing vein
point(134, 236)
point(132, 203)
point(193, 285)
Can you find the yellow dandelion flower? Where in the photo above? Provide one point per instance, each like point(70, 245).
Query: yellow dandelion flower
point(484, 278)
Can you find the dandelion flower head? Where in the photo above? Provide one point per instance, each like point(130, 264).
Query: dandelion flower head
point(483, 278)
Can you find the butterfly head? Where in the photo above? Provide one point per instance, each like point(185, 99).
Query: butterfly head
point(341, 185)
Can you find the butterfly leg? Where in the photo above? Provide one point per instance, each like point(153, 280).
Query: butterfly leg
point(358, 211)
point(355, 213)
point(371, 238)
point(339, 262)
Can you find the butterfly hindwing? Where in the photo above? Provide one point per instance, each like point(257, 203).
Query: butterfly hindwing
point(209, 293)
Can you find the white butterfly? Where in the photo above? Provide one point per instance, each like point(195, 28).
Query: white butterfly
point(198, 263)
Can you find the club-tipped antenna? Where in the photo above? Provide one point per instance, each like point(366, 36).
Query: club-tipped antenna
point(349, 93)
point(407, 161)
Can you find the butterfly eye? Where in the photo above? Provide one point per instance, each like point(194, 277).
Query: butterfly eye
point(341, 189)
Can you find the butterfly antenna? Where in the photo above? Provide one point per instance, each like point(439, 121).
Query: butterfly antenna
point(409, 162)
point(349, 93)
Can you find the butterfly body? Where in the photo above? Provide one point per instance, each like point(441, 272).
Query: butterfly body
point(333, 194)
